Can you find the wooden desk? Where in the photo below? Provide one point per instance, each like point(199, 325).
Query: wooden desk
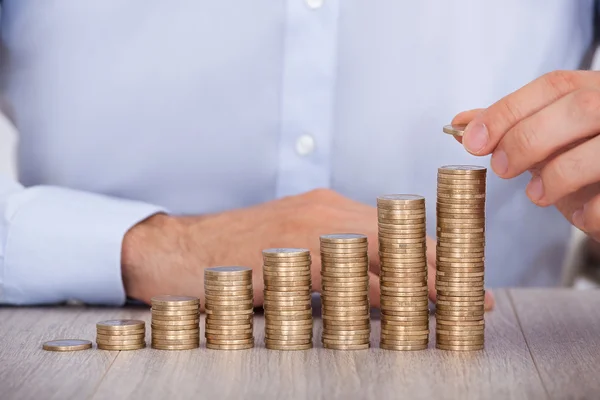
point(539, 344)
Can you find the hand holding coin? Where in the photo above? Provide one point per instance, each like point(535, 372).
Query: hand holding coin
point(550, 128)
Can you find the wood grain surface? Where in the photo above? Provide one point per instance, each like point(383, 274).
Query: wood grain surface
point(562, 330)
point(565, 352)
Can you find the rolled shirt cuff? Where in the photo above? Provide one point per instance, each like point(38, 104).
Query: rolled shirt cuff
point(62, 244)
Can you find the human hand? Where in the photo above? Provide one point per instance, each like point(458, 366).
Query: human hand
point(548, 127)
point(177, 249)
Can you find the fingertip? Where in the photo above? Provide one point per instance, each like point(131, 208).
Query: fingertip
point(374, 290)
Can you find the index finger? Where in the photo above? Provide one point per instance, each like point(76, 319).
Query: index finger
point(485, 131)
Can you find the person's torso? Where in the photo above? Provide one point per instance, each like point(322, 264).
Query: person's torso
point(203, 106)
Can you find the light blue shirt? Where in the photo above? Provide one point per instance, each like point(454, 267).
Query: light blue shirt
point(125, 108)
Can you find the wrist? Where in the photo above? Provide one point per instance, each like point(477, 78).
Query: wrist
point(145, 252)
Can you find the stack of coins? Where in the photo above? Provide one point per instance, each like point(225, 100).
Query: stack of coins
point(121, 334)
point(345, 291)
point(403, 274)
point(287, 304)
point(460, 257)
point(175, 322)
point(229, 308)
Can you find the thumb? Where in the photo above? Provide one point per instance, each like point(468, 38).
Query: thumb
point(464, 118)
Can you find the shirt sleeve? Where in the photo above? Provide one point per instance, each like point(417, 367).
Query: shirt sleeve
point(58, 244)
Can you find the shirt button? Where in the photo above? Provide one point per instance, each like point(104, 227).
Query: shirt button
point(314, 4)
point(305, 145)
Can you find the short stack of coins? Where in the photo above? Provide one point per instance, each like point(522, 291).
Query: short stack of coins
point(229, 308)
point(460, 257)
point(175, 322)
point(287, 299)
point(121, 334)
point(345, 292)
point(403, 272)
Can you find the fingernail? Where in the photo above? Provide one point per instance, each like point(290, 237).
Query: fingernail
point(499, 162)
point(577, 219)
point(489, 301)
point(475, 137)
point(535, 189)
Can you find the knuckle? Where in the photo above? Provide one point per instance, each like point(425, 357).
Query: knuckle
point(563, 172)
point(561, 81)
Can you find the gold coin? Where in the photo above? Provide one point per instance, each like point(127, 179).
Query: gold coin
point(169, 309)
point(230, 270)
point(282, 261)
point(285, 342)
point(218, 294)
point(120, 332)
point(359, 246)
point(174, 313)
point(459, 333)
point(67, 345)
point(346, 346)
point(285, 252)
point(343, 238)
point(287, 266)
point(175, 346)
point(120, 324)
point(175, 318)
point(160, 322)
point(174, 337)
point(229, 346)
point(231, 341)
point(453, 340)
point(386, 346)
point(349, 275)
point(120, 342)
point(459, 348)
point(286, 331)
point(465, 324)
point(175, 342)
point(168, 300)
point(285, 338)
point(305, 346)
point(405, 321)
point(174, 328)
point(400, 327)
point(121, 348)
point(228, 331)
point(223, 288)
point(455, 130)
point(103, 337)
point(286, 274)
point(391, 338)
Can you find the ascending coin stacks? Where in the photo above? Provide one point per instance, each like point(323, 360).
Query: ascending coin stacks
point(403, 274)
point(460, 258)
point(345, 292)
point(175, 322)
point(229, 308)
point(121, 334)
point(287, 299)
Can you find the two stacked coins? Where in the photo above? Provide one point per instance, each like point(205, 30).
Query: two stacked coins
point(460, 257)
point(287, 303)
point(403, 274)
point(345, 292)
point(175, 322)
point(229, 308)
point(121, 334)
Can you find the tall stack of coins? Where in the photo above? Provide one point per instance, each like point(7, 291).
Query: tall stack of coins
point(460, 257)
point(121, 334)
point(287, 304)
point(175, 322)
point(403, 276)
point(345, 291)
point(229, 308)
